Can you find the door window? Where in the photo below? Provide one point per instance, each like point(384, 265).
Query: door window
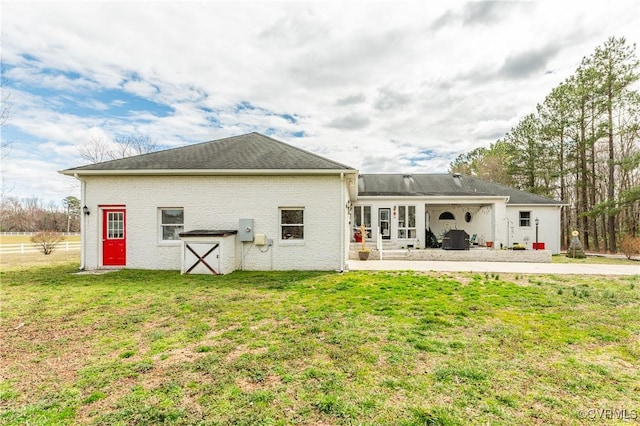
point(384, 216)
point(115, 225)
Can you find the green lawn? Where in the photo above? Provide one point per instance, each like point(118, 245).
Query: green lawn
point(140, 347)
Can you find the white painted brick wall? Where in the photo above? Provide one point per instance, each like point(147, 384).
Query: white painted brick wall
point(218, 202)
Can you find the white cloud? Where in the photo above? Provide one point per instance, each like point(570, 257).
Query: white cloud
point(440, 76)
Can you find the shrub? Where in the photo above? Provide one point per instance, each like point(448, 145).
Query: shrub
point(47, 241)
point(630, 246)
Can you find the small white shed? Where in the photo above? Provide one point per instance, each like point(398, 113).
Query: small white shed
point(209, 252)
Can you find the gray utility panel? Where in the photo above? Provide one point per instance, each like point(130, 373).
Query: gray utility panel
point(245, 230)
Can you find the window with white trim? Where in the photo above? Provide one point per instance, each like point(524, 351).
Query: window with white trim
point(115, 225)
point(525, 219)
point(362, 215)
point(291, 223)
point(171, 223)
point(407, 222)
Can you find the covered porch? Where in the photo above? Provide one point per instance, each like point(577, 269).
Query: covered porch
point(427, 222)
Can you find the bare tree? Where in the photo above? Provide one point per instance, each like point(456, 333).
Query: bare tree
point(5, 149)
point(6, 108)
point(128, 146)
point(5, 112)
point(96, 150)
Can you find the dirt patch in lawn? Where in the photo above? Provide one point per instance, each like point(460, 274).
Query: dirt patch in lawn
point(39, 355)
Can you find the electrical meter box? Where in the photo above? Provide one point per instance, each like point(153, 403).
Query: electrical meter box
point(245, 230)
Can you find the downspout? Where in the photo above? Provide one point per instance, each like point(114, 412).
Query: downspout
point(342, 221)
point(82, 223)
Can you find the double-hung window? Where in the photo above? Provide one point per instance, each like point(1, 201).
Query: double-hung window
point(171, 223)
point(291, 223)
point(525, 219)
point(407, 222)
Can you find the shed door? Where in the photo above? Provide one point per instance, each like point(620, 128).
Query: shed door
point(201, 258)
point(114, 241)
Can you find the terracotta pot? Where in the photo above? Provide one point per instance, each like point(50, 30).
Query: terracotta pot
point(363, 255)
point(489, 244)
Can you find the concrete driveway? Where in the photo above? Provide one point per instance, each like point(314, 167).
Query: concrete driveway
point(503, 267)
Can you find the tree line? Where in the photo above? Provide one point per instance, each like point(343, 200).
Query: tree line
point(32, 215)
point(581, 146)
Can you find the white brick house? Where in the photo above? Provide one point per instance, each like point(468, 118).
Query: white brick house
point(138, 206)
point(251, 202)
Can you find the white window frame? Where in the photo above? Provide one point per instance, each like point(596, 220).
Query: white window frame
point(526, 220)
point(162, 226)
point(115, 225)
point(281, 225)
point(359, 217)
point(404, 225)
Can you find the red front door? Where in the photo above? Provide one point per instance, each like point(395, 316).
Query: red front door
point(114, 241)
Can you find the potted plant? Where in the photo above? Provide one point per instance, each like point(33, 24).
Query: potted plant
point(363, 253)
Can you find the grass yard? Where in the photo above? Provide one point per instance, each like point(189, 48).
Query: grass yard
point(397, 348)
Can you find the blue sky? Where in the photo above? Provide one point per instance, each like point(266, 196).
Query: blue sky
point(383, 87)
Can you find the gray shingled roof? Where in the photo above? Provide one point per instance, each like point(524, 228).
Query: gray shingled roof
point(442, 184)
point(252, 151)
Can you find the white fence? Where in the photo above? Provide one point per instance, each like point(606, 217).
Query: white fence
point(34, 248)
point(66, 234)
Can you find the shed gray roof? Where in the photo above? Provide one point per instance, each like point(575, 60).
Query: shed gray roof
point(252, 151)
point(442, 185)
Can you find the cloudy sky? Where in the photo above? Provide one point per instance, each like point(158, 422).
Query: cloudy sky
point(380, 86)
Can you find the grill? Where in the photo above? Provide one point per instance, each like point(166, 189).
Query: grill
point(455, 239)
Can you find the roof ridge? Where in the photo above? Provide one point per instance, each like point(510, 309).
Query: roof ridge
point(445, 184)
point(170, 149)
point(302, 150)
point(243, 152)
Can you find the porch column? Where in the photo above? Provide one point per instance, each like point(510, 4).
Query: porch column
point(420, 224)
point(498, 218)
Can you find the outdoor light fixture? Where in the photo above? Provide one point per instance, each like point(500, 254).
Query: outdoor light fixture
point(86, 211)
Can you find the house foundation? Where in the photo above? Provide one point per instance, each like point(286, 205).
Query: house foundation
point(480, 254)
